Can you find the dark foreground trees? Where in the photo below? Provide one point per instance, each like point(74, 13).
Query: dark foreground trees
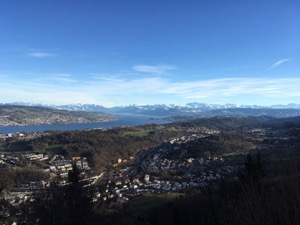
point(257, 197)
point(254, 198)
point(261, 198)
point(68, 205)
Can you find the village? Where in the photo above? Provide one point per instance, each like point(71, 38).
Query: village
point(7, 121)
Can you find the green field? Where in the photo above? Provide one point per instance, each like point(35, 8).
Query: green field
point(171, 129)
point(137, 133)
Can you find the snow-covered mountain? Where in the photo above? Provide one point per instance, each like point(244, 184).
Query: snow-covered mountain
point(190, 109)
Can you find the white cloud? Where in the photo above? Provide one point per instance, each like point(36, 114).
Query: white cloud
point(278, 63)
point(40, 54)
point(159, 69)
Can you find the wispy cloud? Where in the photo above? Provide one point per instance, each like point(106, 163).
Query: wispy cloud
point(254, 88)
point(109, 79)
point(64, 89)
point(106, 77)
point(62, 77)
point(158, 69)
point(41, 54)
point(278, 63)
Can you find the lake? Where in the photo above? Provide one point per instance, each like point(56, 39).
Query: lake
point(123, 120)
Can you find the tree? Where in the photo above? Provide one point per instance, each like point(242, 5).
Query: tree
point(255, 171)
point(68, 205)
point(78, 204)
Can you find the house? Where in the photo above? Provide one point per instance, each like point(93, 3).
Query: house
point(83, 164)
point(147, 178)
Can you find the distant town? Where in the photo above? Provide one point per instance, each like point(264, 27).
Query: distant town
point(27, 115)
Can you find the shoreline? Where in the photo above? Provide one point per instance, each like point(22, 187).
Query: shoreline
point(120, 120)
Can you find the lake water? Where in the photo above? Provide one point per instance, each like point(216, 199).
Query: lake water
point(123, 120)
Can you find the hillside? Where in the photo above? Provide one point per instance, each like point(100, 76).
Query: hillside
point(104, 147)
point(11, 115)
point(279, 113)
point(283, 123)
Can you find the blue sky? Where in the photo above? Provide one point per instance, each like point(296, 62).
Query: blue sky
point(150, 51)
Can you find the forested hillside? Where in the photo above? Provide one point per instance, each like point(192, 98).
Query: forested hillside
point(104, 147)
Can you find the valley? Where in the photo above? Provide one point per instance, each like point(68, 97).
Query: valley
point(122, 164)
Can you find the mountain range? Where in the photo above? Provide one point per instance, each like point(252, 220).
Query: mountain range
point(190, 109)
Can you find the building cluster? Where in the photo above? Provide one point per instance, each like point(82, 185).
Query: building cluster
point(56, 166)
point(8, 160)
point(19, 136)
point(8, 121)
point(202, 130)
point(192, 134)
point(52, 118)
point(154, 172)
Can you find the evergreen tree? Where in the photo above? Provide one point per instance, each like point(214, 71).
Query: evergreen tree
point(255, 171)
point(68, 205)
